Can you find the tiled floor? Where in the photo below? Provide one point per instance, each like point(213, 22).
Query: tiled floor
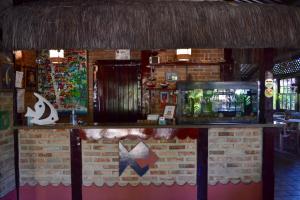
point(287, 177)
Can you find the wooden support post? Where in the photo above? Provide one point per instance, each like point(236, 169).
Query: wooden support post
point(76, 165)
point(202, 156)
point(17, 173)
point(268, 175)
point(226, 68)
point(265, 104)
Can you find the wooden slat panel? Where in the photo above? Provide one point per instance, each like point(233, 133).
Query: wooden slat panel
point(118, 86)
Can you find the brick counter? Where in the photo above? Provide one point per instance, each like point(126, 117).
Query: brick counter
point(234, 164)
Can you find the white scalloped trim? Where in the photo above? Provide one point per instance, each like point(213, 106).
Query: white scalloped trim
point(99, 184)
point(123, 184)
point(45, 183)
point(235, 181)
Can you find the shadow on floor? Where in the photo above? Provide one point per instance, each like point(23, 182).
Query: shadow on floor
point(287, 177)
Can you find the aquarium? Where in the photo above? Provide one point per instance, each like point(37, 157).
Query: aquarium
point(217, 102)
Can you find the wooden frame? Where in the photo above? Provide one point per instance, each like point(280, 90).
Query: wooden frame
point(171, 76)
point(169, 111)
point(164, 97)
point(30, 78)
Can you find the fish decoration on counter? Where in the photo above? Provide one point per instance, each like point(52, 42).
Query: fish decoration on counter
point(39, 110)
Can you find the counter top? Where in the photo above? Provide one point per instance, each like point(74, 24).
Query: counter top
point(135, 125)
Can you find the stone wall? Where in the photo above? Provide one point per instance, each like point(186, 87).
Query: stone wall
point(234, 155)
point(177, 162)
point(44, 157)
point(7, 163)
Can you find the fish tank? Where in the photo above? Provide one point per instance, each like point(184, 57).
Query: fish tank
point(217, 102)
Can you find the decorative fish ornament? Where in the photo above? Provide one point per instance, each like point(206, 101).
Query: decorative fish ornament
point(39, 110)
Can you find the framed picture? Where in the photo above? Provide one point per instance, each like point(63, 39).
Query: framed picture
point(169, 111)
point(171, 76)
point(164, 97)
point(30, 78)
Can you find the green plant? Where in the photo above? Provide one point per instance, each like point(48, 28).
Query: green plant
point(194, 98)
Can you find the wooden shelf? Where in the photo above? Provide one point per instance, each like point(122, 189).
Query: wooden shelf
point(159, 88)
point(184, 63)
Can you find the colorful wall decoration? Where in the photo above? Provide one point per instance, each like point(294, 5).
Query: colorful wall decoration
point(64, 82)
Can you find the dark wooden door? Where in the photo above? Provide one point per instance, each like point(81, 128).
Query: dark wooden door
point(118, 91)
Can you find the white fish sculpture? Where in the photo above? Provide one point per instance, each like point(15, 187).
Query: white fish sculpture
point(39, 110)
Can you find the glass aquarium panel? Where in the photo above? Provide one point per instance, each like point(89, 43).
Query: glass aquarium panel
point(217, 102)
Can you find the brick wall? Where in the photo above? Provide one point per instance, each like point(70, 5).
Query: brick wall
point(198, 56)
point(203, 72)
point(234, 155)
point(176, 162)
point(191, 72)
point(7, 164)
point(207, 69)
point(44, 157)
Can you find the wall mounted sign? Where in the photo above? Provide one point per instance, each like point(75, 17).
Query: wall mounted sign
point(20, 100)
point(19, 79)
point(268, 84)
point(65, 84)
point(123, 54)
point(269, 92)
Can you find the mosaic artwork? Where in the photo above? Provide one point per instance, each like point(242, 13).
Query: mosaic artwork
point(139, 158)
point(64, 83)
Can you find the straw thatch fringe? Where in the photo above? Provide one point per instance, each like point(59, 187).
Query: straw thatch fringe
point(150, 25)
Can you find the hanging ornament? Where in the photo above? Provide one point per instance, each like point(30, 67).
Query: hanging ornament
point(40, 60)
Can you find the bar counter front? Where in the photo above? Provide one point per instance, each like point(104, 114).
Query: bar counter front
point(193, 162)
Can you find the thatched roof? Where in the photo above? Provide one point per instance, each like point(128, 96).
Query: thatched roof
point(143, 24)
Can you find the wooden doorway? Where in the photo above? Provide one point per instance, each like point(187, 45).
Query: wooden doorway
point(118, 86)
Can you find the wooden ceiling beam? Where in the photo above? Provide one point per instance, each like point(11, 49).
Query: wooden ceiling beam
point(18, 2)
